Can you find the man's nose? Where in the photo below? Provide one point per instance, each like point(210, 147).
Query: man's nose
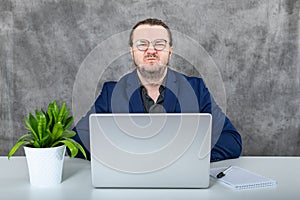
point(151, 49)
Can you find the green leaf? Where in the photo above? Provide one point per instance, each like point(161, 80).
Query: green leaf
point(33, 122)
point(44, 140)
point(35, 144)
point(47, 140)
point(72, 147)
point(16, 147)
point(41, 126)
point(29, 127)
point(50, 115)
point(62, 112)
point(37, 114)
point(57, 131)
point(78, 146)
point(68, 134)
point(66, 116)
point(47, 118)
point(81, 149)
point(55, 111)
point(26, 137)
point(69, 122)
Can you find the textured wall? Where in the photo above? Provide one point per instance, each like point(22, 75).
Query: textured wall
point(253, 43)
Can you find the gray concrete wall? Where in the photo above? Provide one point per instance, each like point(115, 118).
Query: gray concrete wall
point(254, 45)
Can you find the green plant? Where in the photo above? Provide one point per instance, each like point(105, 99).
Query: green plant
point(49, 129)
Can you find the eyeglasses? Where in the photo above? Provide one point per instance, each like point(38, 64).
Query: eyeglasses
point(158, 45)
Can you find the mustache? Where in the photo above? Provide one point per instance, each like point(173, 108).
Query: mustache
point(151, 56)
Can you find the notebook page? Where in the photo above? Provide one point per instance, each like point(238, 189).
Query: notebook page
point(239, 178)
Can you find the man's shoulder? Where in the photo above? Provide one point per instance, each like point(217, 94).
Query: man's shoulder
point(109, 84)
point(191, 79)
point(124, 80)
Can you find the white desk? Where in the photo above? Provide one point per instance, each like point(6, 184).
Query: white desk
point(14, 182)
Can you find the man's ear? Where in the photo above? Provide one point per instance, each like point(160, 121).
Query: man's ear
point(170, 52)
point(132, 54)
point(131, 50)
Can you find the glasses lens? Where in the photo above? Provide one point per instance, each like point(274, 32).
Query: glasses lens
point(159, 45)
point(142, 45)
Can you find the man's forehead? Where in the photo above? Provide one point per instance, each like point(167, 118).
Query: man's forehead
point(150, 32)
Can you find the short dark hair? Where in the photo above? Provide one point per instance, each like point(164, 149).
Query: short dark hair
point(151, 22)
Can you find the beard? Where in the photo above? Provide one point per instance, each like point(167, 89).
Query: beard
point(152, 73)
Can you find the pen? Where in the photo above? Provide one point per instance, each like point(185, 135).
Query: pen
point(223, 173)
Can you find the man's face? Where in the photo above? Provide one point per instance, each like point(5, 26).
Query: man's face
point(154, 58)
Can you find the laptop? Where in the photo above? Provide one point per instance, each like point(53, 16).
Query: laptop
point(158, 150)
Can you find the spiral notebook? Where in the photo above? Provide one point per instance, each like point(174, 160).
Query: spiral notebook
point(239, 179)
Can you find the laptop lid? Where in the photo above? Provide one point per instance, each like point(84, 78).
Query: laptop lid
point(159, 150)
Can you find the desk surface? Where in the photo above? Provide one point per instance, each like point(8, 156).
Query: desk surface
point(14, 182)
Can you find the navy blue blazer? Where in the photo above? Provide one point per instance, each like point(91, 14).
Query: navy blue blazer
point(183, 94)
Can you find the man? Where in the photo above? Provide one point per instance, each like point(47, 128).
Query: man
point(155, 87)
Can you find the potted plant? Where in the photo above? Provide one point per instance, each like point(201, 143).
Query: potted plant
point(45, 143)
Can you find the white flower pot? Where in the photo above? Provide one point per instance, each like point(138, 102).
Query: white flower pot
point(45, 165)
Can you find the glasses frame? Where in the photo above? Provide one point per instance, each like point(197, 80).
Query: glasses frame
point(148, 44)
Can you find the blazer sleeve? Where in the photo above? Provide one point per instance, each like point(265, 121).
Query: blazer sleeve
point(101, 105)
point(226, 141)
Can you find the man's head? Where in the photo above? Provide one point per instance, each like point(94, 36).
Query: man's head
point(151, 48)
point(151, 22)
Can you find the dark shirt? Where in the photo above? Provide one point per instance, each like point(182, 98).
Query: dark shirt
point(149, 105)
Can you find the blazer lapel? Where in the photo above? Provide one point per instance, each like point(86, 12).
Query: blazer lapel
point(133, 94)
point(171, 92)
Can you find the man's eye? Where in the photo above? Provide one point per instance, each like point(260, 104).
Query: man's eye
point(143, 44)
point(159, 44)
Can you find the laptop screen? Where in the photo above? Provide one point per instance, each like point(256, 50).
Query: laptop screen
point(142, 149)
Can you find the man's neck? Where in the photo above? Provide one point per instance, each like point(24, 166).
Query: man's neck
point(151, 83)
point(152, 86)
